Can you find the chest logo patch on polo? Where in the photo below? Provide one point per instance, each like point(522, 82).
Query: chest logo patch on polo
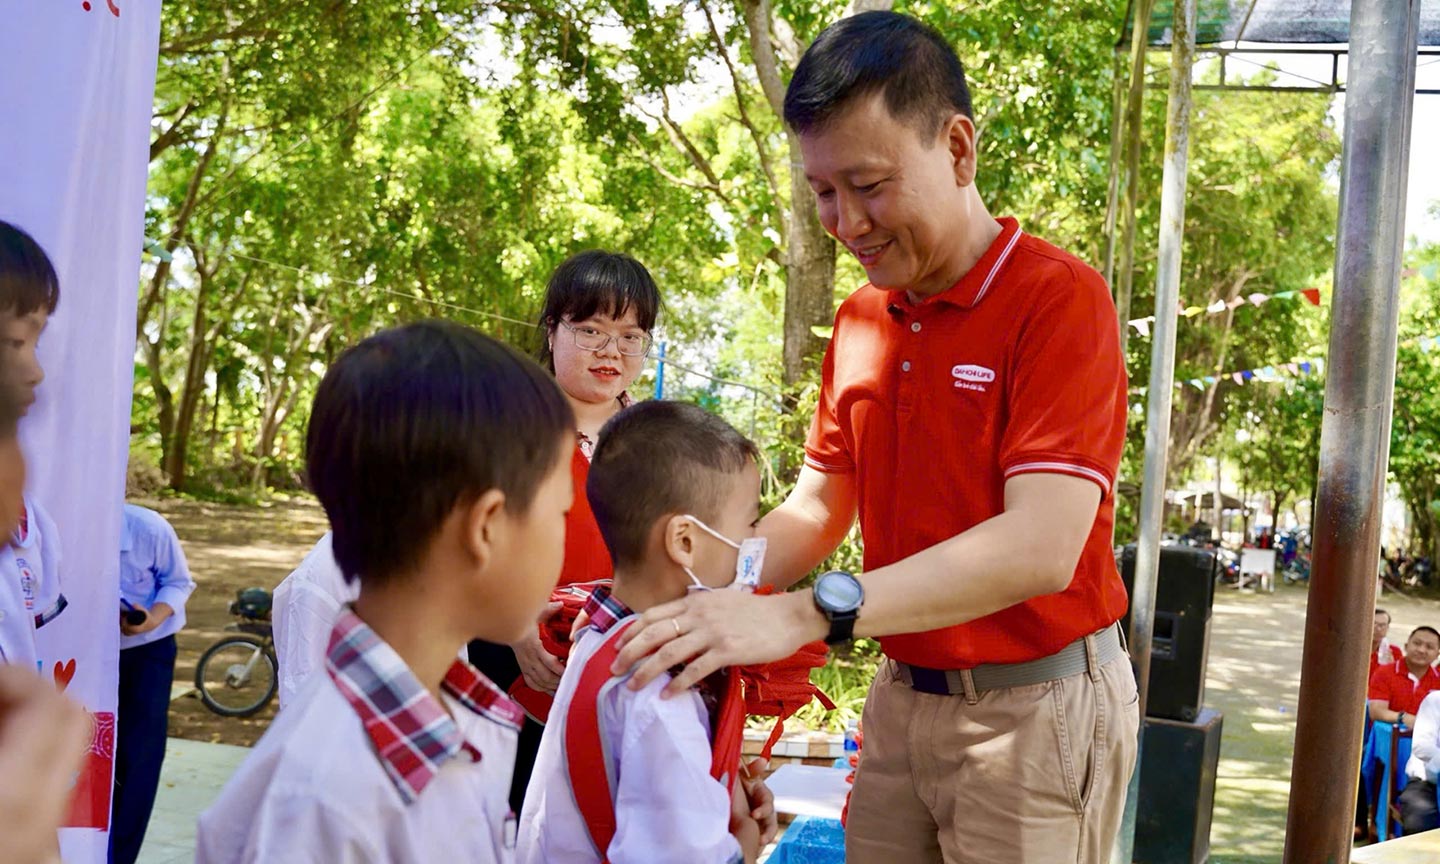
point(971, 377)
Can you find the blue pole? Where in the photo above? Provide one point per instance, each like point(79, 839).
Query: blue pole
point(660, 374)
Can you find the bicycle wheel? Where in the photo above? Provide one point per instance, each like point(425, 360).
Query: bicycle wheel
point(237, 676)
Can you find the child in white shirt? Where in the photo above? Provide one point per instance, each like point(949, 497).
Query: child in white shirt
point(625, 776)
point(442, 460)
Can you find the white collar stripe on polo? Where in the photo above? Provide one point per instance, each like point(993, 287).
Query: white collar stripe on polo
point(995, 269)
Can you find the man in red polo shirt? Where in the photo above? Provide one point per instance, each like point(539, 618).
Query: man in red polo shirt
point(1397, 689)
point(972, 411)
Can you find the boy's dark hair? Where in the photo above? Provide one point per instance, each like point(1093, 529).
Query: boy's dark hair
point(593, 282)
point(909, 62)
point(656, 459)
point(417, 420)
point(1425, 629)
point(27, 278)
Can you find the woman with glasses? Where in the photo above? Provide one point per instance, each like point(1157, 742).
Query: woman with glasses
point(595, 333)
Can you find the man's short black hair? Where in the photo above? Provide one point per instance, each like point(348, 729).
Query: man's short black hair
point(909, 62)
point(593, 282)
point(417, 420)
point(657, 459)
point(1425, 629)
point(27, 278)
point(1379, 611)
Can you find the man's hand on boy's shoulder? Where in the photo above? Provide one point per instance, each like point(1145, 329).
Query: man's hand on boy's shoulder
point(709, 630)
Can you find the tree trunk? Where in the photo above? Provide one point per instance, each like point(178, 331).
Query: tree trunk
point(809, 277)
point(176, 456)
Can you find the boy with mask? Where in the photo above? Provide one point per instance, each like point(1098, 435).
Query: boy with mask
point(626, 776)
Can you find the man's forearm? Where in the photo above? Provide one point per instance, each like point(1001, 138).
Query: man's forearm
point(797, 542)
point(993, 566)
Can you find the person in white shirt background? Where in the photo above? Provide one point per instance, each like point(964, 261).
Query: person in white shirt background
point(305, 606)
point(43, 735)
point(1418, 810)
point(30, 563)
point(154, 585)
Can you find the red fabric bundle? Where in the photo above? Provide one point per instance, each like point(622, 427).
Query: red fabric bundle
point(555, 636)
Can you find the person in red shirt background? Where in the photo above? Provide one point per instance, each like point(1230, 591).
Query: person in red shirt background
point(1397, 689)
point(1382, 653)
point(600, 308)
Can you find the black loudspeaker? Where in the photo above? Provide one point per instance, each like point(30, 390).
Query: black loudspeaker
point(1184, 593)
point(1177, 789)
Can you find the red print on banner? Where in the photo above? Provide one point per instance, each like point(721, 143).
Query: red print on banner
point(63, 673)
point(90, 801)
point(114, 10)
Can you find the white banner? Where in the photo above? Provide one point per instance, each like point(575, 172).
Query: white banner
point(77, 82)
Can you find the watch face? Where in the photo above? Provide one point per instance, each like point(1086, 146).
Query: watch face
point(839, 592)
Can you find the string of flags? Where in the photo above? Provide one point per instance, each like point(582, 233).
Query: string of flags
point(1283, 371)
point(1309, 295)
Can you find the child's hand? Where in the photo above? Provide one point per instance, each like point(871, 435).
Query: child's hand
point(743, 825)
point(760, 799)
point(541, 670)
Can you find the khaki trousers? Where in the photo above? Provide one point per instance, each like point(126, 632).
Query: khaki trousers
point(1034, 774)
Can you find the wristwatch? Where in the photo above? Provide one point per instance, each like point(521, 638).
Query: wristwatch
point(839, 596)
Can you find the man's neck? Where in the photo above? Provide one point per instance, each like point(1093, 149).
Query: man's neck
point(403, 616)
point(641, 587)
point(969, 249)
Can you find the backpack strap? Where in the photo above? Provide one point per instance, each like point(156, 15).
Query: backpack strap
point(729, 732)
point(585, 756)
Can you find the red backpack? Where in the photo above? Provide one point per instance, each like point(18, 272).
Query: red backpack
point(585, 748)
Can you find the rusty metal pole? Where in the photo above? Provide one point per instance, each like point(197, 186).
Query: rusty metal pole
point(1162, 385)
point(1355, 437)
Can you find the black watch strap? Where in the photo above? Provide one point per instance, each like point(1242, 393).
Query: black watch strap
point(842, 628)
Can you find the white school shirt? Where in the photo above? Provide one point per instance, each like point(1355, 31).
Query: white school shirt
point(667, 806)
point(304, 609)
point(1424, 762)
point(30, 573)
point(317, 789)
point(152, 570)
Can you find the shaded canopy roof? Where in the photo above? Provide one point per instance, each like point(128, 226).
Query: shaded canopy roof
point(1287, 22)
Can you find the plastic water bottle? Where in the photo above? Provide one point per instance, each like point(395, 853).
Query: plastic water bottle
point(852, 731)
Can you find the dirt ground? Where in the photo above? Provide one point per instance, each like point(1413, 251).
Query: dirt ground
point(230, 548)
point(1253, 675)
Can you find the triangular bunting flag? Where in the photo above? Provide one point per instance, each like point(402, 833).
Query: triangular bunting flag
point(1283, 295)
point(1238, 376)
point(1306, 367)
point(1248, 374)
point(1259, 299)
point(1197, 383)
point(1216, 307)
point(1210, 379)
point(1313, 295)
point(1235, 303)
point(1192, 311)
point(1294, 368)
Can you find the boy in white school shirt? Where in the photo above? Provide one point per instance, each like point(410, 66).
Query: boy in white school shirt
point(442, 460)
point(625, 776)
point(30, 593)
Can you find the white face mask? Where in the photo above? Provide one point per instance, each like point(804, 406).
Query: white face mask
point(747, 565)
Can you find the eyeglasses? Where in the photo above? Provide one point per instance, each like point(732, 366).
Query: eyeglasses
point(590, 339)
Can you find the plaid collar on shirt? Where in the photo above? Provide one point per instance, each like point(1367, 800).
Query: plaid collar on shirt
point(604, 611)
point(413, 735)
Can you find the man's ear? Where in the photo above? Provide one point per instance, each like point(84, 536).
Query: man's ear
point(679, 540)
point(483, 524)
point(960, 138)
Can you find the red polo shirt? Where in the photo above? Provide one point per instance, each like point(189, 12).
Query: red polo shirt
point(1015, 369)
point(1398, 689)
point(587, 558)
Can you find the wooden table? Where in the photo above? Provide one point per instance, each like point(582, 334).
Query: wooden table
point(1415, 849)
